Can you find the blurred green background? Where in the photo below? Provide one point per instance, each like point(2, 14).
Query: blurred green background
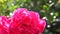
point(48, 10)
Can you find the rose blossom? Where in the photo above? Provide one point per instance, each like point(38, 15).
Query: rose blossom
point(22, 21)
point(27, 22)
point(4, 25)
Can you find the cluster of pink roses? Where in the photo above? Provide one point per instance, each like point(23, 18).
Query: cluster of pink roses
point(22, 21)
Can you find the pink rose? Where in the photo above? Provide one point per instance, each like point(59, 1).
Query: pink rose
point(22, 21)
